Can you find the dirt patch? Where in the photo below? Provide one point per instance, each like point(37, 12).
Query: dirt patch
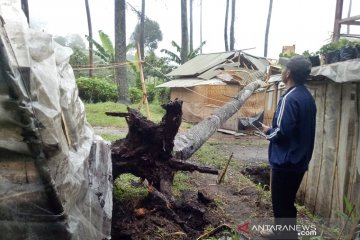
point(259, 175)
point(155, 222)
point(110, 130)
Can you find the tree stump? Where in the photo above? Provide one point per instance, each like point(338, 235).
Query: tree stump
point(146, 151)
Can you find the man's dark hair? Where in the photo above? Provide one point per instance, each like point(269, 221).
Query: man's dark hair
point(300, 68)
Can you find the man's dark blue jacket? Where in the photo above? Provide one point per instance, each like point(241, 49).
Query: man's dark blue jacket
point(293, 130)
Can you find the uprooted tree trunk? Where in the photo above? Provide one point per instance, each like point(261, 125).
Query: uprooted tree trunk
point(186, 144)
point(147, 150)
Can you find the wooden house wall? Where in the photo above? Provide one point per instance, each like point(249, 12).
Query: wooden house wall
point(201, 101)
point(334, 170)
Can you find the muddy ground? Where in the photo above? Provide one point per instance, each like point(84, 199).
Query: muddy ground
point(241, 198)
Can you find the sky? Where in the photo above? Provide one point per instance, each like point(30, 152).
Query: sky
point(306, 23)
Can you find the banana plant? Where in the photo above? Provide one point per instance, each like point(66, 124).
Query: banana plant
point(105, 49)
point(175, 57)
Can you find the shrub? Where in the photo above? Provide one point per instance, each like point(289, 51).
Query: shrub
point(135, 94)
point(96, 90)
point(151, 92)
point(163, 95)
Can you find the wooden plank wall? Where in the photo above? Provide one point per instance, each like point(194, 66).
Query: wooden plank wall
point(334, 171)
point(201, 101)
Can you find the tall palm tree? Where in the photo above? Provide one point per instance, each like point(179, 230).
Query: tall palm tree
point(191, 24)
point(120, 51)
point(232, 34)
point(91, 54)
point(184, 32)
point(25, 8)
point(226, 26)
point(142, 27)
point(267, 29)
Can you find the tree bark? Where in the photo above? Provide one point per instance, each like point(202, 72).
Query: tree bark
point(120, 52)
point(191, 25)
point(186, 144)
point(232, 34)
point(184, 33)
point(226, 26)
point(267, 28)
point(142, 29)
point(91, 52)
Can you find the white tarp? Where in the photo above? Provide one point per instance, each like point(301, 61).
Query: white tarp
point(48, 151)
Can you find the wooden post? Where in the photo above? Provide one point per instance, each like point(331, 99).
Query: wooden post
point(144, 97)
point(338, 16)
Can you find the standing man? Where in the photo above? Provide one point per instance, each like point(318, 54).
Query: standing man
point(291, 139)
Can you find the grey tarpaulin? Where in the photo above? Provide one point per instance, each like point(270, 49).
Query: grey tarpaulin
point(55, 174)
point(340, 72)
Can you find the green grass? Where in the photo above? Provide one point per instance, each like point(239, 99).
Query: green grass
point(112, 137)
point(181, 183)
point(95, 113)
point(209, 155)
point(125, 192)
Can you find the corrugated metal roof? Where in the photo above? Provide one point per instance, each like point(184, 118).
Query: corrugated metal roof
point(201, 63)
point(190, 83)
point(244, 73)
point(260, 63)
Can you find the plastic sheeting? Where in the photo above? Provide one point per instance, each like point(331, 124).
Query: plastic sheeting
point(55, 174)
point(339, 72)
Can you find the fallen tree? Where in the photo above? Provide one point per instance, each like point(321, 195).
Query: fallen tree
point(147, 150)
point(186, 144)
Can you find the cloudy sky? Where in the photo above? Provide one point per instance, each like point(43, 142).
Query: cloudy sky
point(306, 23)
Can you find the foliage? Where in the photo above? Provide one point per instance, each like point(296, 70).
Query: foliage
point(175, 57)
point(162, 95)
point(287, 54)
point(60, 40)
point(307, 53)
point(96, 90)
point(73, 41)
point(332, 46)
point(135, 94)
point(79, 58)
point(157, 67)
point(152, 34)
point(105, 49)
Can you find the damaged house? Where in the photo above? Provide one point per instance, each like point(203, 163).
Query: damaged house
point(208, 81)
